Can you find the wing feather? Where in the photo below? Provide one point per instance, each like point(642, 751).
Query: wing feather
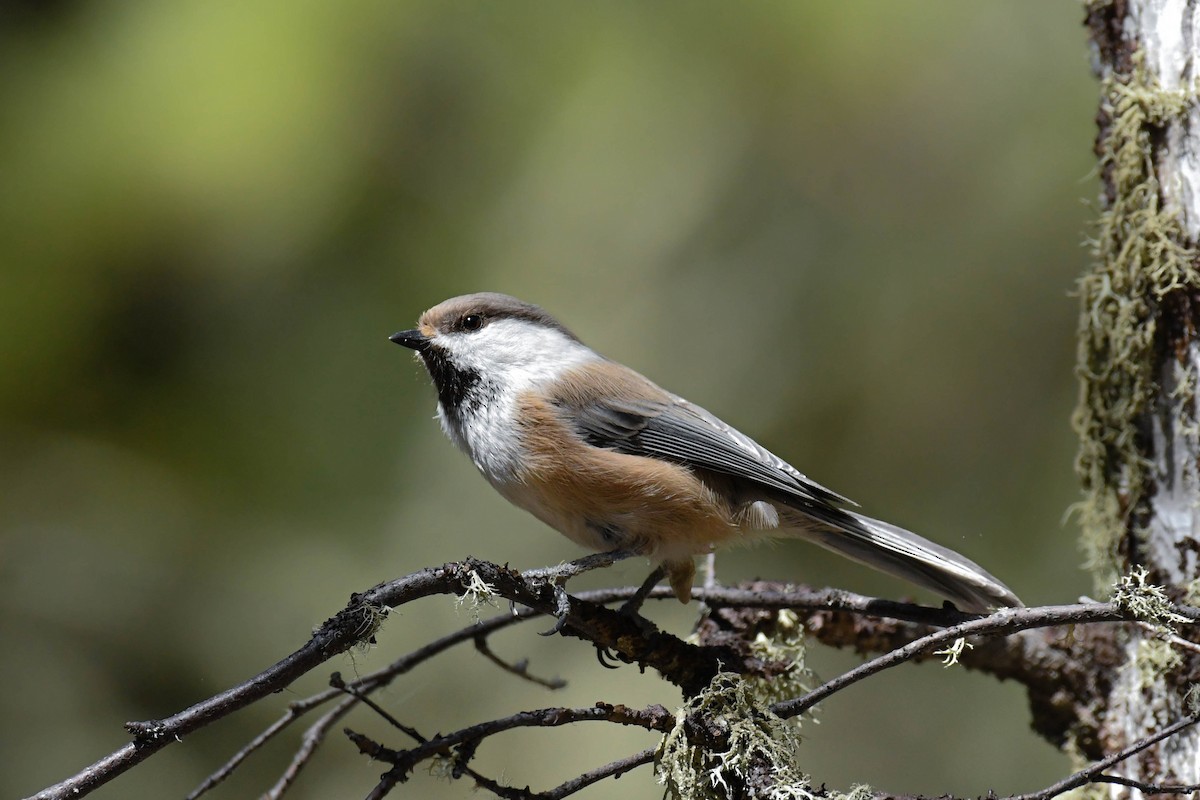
point(670, 428)
point(617, 409)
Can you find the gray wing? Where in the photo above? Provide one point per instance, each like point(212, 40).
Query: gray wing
point(675, 430)
point(672, 429)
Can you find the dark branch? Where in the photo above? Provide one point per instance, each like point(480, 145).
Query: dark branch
point(654, 718)
point(612, 770)
point(1006, 621)
point(315, 734)
point(689, 666)
point(1148, 788)
point(1095, 772)
point(335, 636)
point(312, 739)
point(336, 682)
point(520, 669)
point(367, 683)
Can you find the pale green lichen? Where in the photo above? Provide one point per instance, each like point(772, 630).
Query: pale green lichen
point(759, 743)
point(1145, 601)
point(780, 641)
point(1153, 660)
point(859, 791)
point(1191, 593)
point(442, 767)
point(476, 593)
point(1140, 256)
point(952, 653)
point(783, 643)
point(1191, 700)
point(370, 620)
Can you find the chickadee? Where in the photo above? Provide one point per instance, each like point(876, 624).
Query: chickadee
point(612, 461)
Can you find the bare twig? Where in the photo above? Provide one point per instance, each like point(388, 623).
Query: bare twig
point(1148, 788)
point(1006, 621)
point(1095, 772)
point(614, 769)
point(1170, 638)
point(335, 636)
point(312, 739)
point(655, 718)
point(366, 683)
point(520, 669)
point(336, 682)
point(316, 734)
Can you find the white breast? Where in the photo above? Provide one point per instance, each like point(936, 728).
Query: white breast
point(488, 435)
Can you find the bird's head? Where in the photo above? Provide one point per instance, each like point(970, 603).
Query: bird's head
point(493, 340)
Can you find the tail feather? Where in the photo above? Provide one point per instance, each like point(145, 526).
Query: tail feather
point(895, 551)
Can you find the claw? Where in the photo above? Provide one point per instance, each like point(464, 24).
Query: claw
point(562, 610)
point(602, 655)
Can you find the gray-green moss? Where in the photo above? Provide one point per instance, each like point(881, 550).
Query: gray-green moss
point(1140, 255)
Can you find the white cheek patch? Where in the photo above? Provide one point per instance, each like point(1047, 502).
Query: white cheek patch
point(516, 353)
point(511, 356)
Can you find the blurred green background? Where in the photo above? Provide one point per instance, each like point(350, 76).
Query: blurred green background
point(848, 227)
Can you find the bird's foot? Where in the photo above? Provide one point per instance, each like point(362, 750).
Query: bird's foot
point(564, 572)
point(558, 576)
point(562, 610)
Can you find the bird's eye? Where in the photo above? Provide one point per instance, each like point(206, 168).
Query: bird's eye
point(472, 322)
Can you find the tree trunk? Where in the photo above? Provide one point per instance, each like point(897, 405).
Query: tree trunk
point(1139, 360)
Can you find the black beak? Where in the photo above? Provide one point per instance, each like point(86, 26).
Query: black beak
point(413, 339)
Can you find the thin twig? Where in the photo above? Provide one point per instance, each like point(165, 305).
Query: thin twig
point(1005, 621)
point(654, 718)
point(1148, 788)
point(1091, 773)
point(520, 669)
point(336, 682)
point(367, 683)
point(318, 731)
point(615, 770)
point(1171, 638)
point(309, 742)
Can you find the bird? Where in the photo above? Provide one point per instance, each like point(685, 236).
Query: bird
point(612, 461)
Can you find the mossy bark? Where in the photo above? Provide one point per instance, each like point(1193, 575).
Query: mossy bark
point(1139, 358)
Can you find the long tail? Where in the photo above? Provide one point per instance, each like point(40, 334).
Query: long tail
point(888, 548)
